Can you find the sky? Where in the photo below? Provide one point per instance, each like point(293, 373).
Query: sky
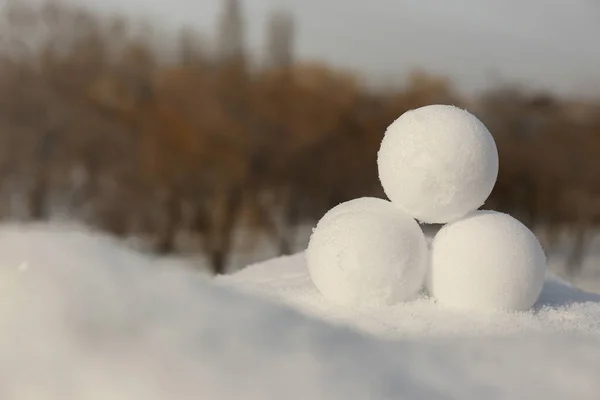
point(542, 44)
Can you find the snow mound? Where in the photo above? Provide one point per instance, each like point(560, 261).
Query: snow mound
point(82, 317)
point(367, 251)
point(486, 261)
point(438, 162)
point(560, 308)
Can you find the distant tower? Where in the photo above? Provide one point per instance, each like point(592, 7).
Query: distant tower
point(280, 39)
point(231, 32)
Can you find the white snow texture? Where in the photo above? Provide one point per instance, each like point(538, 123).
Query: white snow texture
point(550, 352)
point(486, 261)
point(561, 308)
point(369, 252)
point(438, 162)
point(89, 319)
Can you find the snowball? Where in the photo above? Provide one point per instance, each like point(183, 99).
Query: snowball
point(486, 261)
point(438, 163)
point(367, 252)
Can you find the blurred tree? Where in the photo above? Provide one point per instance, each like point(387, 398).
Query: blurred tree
point(204, 147)
point(280, 40)
point(191, 49)
point(231, 36)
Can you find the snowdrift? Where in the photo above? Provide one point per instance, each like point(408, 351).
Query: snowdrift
point(560, 309)
point(82, 317)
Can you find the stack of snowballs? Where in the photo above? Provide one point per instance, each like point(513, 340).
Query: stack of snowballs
point(437, 164)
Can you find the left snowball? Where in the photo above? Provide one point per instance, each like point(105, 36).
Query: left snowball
point(367, 252)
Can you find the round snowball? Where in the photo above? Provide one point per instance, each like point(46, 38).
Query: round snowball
point(367, 252)
point(487, 261)
point(438, 163)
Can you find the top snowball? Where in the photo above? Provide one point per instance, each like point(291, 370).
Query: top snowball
point(438, 162)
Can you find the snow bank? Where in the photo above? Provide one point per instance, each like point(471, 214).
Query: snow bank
point(82, 317)
point(561, 308)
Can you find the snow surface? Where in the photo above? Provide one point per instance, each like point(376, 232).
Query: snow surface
point(438, 162)
point(486, 261)
point(367, 251)
point(83, 317)
point(561, 308)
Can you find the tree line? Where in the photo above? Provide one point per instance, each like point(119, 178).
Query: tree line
point(100, 123)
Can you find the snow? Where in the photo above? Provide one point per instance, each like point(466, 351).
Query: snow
point(561, 308)
point(89, 319)
point(367, 251)
point(438, 162)
point(486, 261)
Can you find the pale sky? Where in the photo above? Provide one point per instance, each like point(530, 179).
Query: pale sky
point(541, 43)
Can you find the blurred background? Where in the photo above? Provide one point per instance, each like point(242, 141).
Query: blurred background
point(222, 130)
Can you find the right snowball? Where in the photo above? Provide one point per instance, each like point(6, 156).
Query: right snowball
point(487, 261)
point(438, 163)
